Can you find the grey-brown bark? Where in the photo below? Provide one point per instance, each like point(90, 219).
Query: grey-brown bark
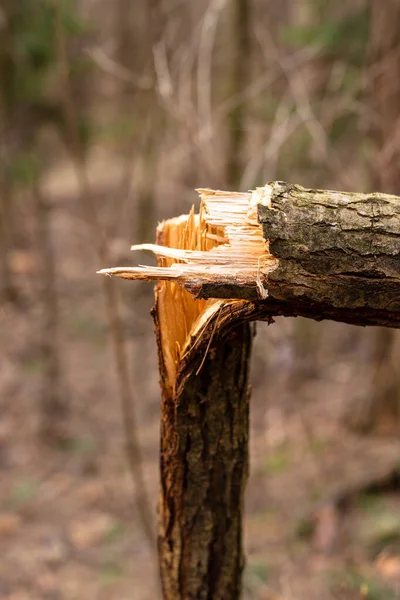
point(334, 247)
point(339, 256)
point(204, 464)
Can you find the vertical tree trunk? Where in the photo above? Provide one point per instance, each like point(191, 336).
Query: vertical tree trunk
point(382, 408)
point(7, 289)
point(7, 150)
point(385, 92)
point(53, 400)
point(204, 350)
point(204, 464)
point(241, 51)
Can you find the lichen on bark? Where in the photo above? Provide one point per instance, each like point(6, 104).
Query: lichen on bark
point(336, 248)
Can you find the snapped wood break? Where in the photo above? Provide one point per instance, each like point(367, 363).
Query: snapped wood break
point(220, 251)
point(280, 250)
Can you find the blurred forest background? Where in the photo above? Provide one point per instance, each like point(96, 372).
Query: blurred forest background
point(111, 114)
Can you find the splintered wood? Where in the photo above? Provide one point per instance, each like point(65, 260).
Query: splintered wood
point(223, 245)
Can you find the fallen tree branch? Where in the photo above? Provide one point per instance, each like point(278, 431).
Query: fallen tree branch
point(281, 250)
point(315, 253)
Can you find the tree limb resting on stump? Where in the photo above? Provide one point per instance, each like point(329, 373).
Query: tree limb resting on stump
point(280, 250)
point(314, 253)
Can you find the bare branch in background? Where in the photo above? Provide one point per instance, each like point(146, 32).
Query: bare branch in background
point(204, 63)
point(110, 66)
point(304, 108)
point(284, 125)
point(167, 98)
point(204, 137)
point(53, 394)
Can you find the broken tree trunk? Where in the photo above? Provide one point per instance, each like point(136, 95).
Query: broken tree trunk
point(281, 250)
point(204, 462)
point(314, 253)
point(204, 357)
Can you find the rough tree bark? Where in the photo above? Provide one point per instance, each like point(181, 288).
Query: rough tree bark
point(335, 248)
point(281, 250)
point(204, 463)
point(380, 411)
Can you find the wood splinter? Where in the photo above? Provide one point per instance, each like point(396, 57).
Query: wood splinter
point(280, 250)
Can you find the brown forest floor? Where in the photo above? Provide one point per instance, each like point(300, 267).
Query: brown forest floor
point(315, 527)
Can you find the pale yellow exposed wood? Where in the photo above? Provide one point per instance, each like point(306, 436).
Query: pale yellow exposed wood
point(223, 243)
